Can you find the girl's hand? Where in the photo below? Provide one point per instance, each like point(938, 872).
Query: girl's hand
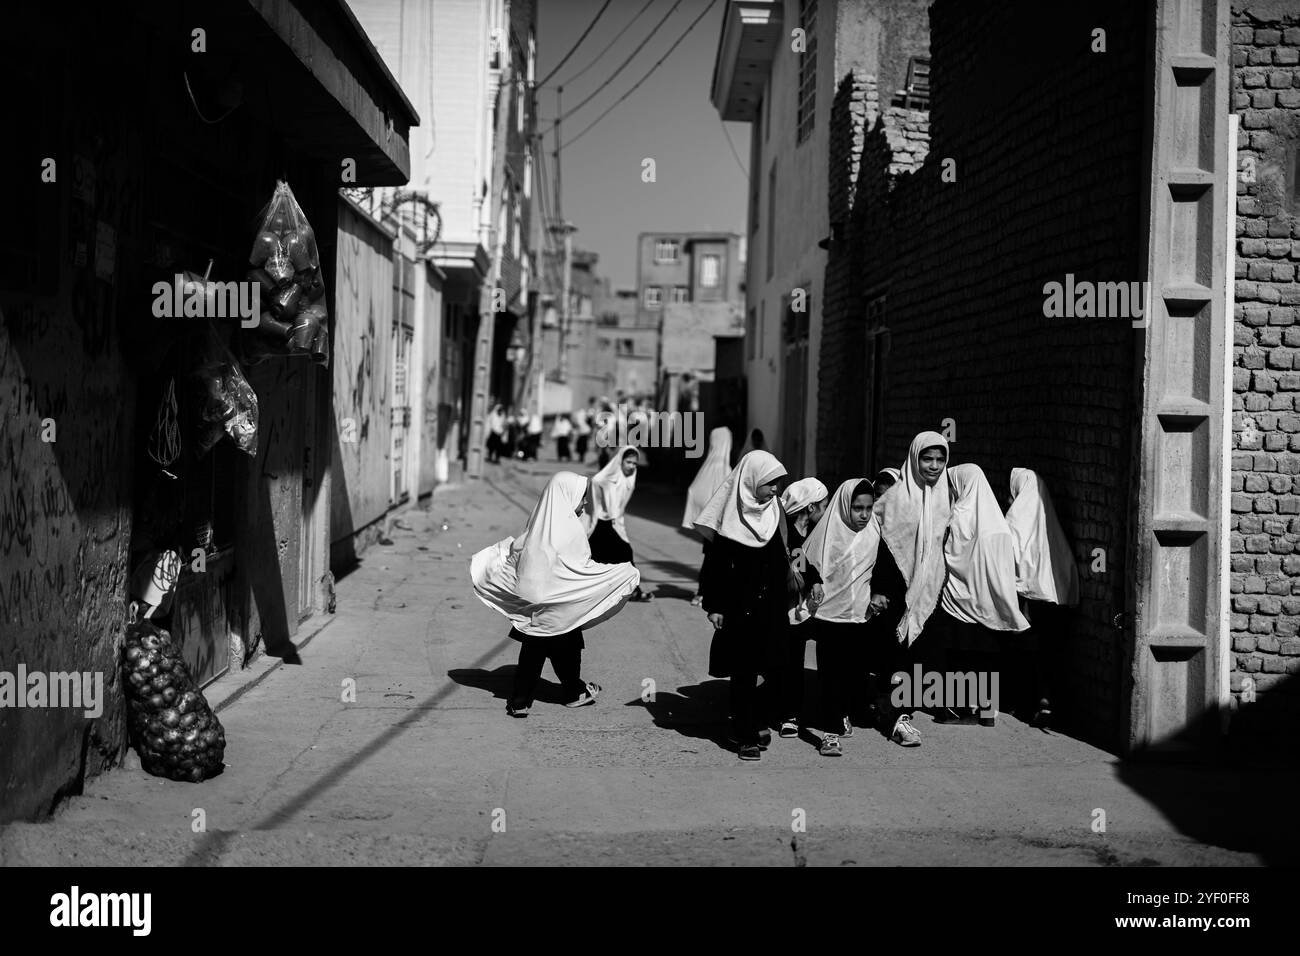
point(878, 603)
point(716, 621)
point(816, 597)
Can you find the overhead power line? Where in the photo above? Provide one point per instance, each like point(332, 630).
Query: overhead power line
point(612, 43)
point(574, 48)
point(660, 61)
point(622, 66)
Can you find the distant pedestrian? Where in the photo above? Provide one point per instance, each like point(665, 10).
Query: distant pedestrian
point(560, 431)
point(743, 583)
point(532, 437)
point(583, 420)
point(611, 490)
point(755, 442)
point(843, 548)
point(547, 585)
point(714, 471)
point(496, 438)
point(1046, 574)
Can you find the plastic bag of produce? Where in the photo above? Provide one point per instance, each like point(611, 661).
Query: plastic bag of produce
point(227, 404)
point(172, 727)
point(284, 243)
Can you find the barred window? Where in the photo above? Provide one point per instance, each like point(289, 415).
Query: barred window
point(807, 69)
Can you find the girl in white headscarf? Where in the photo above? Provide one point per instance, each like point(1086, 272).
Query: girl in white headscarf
point(979, 600)
point(546, 584)
point(707, 480)
point(803, 503)
point(496, 439)
point(908, 580)
point(611, 490)
point(843, 548)
point(1045, 572)
point(743, 583)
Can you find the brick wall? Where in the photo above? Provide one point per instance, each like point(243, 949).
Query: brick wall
point(1265, 520)
point(1049, 179)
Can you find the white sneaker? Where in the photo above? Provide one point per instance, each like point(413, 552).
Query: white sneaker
point(905, 735)
point(831, 746)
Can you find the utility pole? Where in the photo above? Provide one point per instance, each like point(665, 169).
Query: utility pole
point(486, 316)
point(567, 230)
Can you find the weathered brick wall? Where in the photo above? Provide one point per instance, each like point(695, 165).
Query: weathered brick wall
point(840, 425)
point(1049, 180)
point(869, 149)
point(1265, 521)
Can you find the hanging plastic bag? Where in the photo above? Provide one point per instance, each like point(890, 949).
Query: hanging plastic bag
point(286, 263)
point(227, 404)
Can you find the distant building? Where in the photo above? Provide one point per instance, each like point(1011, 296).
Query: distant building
point(689, 287)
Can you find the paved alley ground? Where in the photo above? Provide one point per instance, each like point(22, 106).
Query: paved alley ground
point(422, 765)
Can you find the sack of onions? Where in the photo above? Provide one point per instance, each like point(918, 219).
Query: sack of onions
point(171, 726)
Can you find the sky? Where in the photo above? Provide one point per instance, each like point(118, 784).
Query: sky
point(699, 187)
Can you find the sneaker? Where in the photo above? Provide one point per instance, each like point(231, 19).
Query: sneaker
point(1043, 714)
point(750, 752)
point(514, 711)
point(588, 696)
point(789, 728)
point(831, 746)
point(904, 734)
point(764, 739)
point(848, 728)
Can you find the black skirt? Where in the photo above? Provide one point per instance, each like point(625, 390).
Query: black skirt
point(607, 547)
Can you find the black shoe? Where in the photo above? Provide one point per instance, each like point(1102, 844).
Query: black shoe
point(750, 752)
point(764, 739)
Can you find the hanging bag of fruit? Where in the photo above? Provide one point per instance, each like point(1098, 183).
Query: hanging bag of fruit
point(225, 401)
point(286, 264)
point(172, 727)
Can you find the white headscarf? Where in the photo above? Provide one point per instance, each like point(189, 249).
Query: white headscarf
point(981, 584)
point(912, 521)
point(801, 494)
point(611, 490)
point(497, 421)
point(710, 476)
point(844, 558)
point(734, 511)
point(1045, 568)
point(544, 581)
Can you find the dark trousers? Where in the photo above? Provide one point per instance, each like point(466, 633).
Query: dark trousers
point(565, 654)
point(562, 449)
point(840, 670)
point(582, 447)
point(789, 682)
point(757, 641)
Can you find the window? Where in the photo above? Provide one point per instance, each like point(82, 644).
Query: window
point(516, 246)
point(681, 294)
point(807, 69)
point(751, 334)
point(762, 321)
point(528, 172)
point(666, 250)
point(519, 104)
point(710, 270)
point(654, 297)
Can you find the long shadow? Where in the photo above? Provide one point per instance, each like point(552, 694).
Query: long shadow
point(1202, 791)
point(698, 711)
point(212, 845)
point(501, 680)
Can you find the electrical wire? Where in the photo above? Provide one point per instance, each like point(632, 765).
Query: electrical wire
point(726, 133)
point(611, 44)
point(587, 128)
point(198, 112)
point(574, 48)
point(621, 67)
